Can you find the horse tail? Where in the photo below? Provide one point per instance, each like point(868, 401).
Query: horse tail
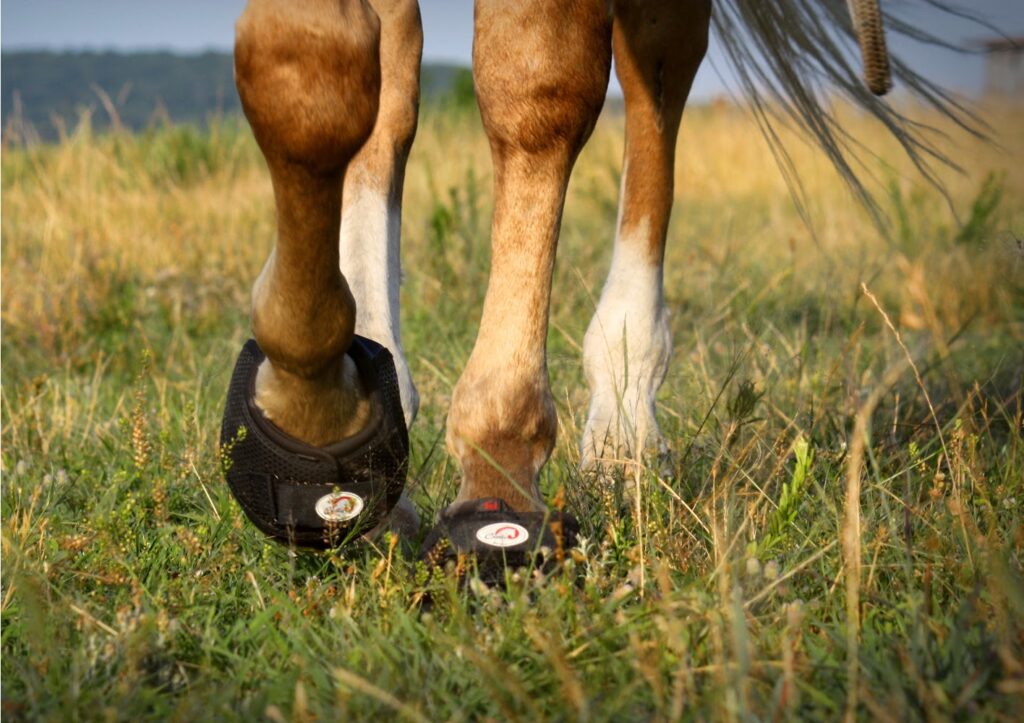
point(790, 57)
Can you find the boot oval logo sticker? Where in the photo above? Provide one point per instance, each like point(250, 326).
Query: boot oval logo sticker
point(502, 534)
point(339, 506)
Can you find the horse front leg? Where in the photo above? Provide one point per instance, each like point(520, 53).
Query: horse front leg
point(541, 71)
point(308, 74)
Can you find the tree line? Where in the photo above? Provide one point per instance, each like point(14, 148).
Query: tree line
point(47, 93)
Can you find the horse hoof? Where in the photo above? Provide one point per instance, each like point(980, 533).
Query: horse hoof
point(310, 496)
point(498, 537)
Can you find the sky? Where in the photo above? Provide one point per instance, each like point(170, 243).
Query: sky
point(195, 25)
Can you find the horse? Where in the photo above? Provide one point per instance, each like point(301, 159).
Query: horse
point(331, 91)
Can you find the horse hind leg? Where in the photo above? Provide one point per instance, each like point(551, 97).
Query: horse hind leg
point(658, 47)
point(541, 71)
point(372, 200)
point(308, 74)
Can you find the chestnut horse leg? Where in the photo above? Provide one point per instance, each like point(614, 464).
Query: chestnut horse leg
point(541, 71)
point(308, 74)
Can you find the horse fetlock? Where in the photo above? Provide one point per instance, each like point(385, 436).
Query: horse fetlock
point(307, 385)
point(501, 432)
point(621, 430)
point(300, 331)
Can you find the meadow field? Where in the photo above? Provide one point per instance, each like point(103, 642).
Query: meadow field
point(839, 531)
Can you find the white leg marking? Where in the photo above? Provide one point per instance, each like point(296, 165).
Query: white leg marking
point(369, 245)
point(626, 352)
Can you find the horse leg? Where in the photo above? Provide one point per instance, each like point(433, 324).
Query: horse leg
point(308, 74)
point(657, 46)
point(541, 72)
point(371, 217)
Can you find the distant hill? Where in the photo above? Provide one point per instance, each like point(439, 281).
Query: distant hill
point(51, 90)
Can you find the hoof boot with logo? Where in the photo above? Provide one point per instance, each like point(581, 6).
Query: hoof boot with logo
point(316, 496)
point(497, 537)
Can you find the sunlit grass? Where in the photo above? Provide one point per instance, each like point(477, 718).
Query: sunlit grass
point(133, 587)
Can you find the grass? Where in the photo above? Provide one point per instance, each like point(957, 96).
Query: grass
point(842, 531)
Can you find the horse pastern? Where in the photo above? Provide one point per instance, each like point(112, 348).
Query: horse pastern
point(315, 411)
